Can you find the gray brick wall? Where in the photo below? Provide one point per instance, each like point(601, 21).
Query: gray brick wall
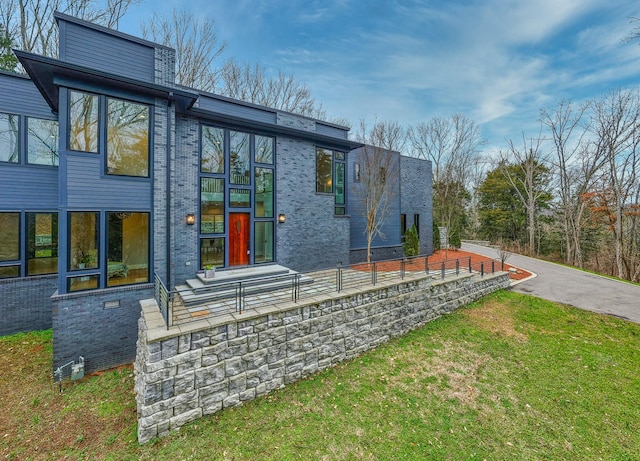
point(26, 304)
point(184, 197)
point(105, 336)
point(377, 254)
point(295, 121)
point(160, 190)
point(165, 66)
point(312, 236)
point(416, 197)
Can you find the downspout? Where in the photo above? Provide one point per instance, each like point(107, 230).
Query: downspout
point(168, 199)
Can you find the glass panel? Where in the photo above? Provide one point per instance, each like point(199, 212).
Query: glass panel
point(42, 243)
point(212, 252)
point(83, 122)
point(264, 193)
point(264, 242)
point(127, 248)
point(264, 149)
point(339, 155)
point(324, 171)
point(239, 158)
point(85, 282)
point(356, 172)
point(9, 236)
point(240, 198)
point(339, 183)
point(212, 157)
point(83, 237)
point(211, 205)
point(416, 222)
point(9, 271)
point(339, 211)
point(42, 141)
point(127, 138)
point(9, 150)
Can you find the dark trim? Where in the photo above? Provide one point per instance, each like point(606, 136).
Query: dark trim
point(43, 71)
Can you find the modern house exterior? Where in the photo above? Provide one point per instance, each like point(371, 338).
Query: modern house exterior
point(111, 174)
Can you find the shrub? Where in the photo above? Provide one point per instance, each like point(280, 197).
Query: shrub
point(411, 245)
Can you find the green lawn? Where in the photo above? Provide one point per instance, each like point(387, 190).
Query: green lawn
point(509, 377)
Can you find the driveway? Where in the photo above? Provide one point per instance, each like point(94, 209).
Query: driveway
point(571, 286)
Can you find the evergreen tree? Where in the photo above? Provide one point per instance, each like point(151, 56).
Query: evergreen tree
point(436, 236)
point(411, 245)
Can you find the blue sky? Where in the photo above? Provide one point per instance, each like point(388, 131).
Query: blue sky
point(497, 62)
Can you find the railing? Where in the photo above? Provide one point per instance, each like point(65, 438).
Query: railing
point(179, 307)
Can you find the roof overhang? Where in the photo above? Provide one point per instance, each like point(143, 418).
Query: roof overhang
point(275, 129)
point(44, 72)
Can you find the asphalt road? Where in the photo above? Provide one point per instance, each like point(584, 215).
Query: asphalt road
point(570, 286)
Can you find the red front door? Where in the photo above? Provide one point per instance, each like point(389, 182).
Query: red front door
point(239, 238)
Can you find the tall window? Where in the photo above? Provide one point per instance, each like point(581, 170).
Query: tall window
point(324, 171)
point(127, 248)
point(211, 205)
point(9, 146)
point(264, 149)
point(83, 122)
point(264, 193)
point(403, 227)
point(212, 153)
point(416, 222)
point(9, 244)
point(263, 242)
point(42, 243)
point(239, 158)
point(127, 138)
point(83, 240)
point(340, 186)
point(42, 141)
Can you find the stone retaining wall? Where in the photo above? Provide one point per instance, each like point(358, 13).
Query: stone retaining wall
point(198, 369)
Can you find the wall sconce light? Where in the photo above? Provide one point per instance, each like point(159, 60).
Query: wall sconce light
point(191, 219)
point(281, 218)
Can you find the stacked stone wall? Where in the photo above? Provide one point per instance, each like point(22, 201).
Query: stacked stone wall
point(191, 372)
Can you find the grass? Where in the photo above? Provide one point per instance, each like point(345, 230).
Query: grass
point(509, 377)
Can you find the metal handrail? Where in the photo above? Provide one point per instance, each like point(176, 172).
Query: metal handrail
point(238, 296)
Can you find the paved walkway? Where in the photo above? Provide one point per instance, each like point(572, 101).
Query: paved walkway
point(571, 286)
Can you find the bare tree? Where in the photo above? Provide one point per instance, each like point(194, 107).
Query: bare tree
point(453, 146)
point(527, 179)
point(196, 43)
point(615, 124)
point(32, 26)
point(575, 167)
point(378, 186)
point(252, 84)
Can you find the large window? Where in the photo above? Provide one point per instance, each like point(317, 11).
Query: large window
point(211, 205)
point(9, 146)
point(324, 171)
point(239, 158)
point(83, 240)
point(212, 153)
point(83, 122)
point(127, 248)
point(263, 242)
point(9, 244)
point(42, 141)
point(42, 243)
point(127, 138)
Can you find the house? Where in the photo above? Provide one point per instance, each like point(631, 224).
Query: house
point(112, 176)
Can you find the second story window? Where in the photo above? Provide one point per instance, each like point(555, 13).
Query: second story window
point(122, 126)
point(83, 122)
point(9, 147)
point(324, 171)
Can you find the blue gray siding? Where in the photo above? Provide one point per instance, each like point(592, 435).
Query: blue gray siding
point(15, 88)
point(330, 130)
point(236, 110)
point(106, 52)
point(28, 188)
point(86, 188)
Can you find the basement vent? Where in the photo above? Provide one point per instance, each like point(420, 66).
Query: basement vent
point(111, 304)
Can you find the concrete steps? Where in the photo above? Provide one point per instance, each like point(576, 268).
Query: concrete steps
point(224, 286)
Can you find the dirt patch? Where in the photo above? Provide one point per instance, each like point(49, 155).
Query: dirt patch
point(496, 318)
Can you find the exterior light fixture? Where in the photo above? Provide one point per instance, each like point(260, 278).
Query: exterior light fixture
point(191, 219)
point(281, 218)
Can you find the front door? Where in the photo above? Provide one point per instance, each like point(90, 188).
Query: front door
point(239, 238)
